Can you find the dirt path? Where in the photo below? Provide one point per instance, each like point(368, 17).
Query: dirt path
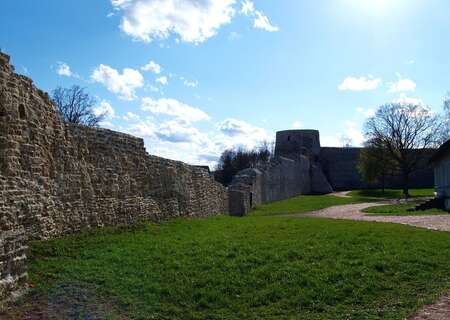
point(341, 194)
point(438, 311)
point(441, 309)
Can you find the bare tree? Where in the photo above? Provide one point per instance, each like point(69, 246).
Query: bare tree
point(76, 106)
point(402, 130)
point(444, 133)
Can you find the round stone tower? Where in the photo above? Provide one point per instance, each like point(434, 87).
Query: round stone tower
point(293, 143)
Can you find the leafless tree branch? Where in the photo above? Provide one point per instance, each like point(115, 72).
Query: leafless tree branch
point(76, 106)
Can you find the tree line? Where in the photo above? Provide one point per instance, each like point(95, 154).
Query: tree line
point(234, 160)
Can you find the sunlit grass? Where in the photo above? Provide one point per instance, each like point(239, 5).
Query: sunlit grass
point(306, 203)
point(251, 268)
point(402, 210)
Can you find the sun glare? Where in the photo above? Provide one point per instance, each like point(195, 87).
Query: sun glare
point(373, 7)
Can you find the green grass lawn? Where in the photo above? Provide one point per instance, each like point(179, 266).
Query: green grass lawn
point(391, 193)
point(249, 268)
point(312, 203)
point(401, 210)
point(303, 204)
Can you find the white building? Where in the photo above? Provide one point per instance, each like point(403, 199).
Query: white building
point(441, 164)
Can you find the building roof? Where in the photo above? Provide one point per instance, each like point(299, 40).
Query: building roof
point(441, 152)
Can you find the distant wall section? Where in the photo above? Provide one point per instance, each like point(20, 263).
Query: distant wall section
point(279, 179)
point(340, 166)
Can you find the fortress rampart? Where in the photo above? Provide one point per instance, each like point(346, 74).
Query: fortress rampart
point(302, 166)
point(294, 171)
point(57, 179)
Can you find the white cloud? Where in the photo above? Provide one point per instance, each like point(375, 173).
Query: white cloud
point(176, 131)
point(354, 134)
point(330, 141)
point(233, 127)
point(297, 124)
point(106, 124)
point(124, 84)
point(143, 129)
point(130, 116)
point(402, 85)
point(180, 140)
point(162, 80)
point(234, 36)
point(192, 145)
point(237, 133)
point(360, 84)
point(192, 84)
point(175, 108)
point(262, 22)
point(104, 108)
point(152, 66)
point(368, 113)
point(247, 7)
point(63, 69)
point(191, 20)
point(404, 99)
point(152, 88)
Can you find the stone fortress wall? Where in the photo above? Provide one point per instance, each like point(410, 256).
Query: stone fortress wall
point(340, 167)
point(302, 166)
point(294, 171)
point(280, 179)
point(57, 179)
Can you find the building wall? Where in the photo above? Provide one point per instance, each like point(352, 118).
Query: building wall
point(442, 179)
point(57, 179)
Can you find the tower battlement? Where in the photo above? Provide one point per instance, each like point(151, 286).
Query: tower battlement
point(294, 143)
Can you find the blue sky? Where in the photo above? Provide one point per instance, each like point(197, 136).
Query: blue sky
point(193, 77)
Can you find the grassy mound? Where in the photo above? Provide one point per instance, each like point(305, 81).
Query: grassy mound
point(251, 268)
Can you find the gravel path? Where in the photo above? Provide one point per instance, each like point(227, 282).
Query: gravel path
point(341, 194)
point(441, 309)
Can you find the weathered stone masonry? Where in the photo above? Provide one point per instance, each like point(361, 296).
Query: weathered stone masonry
point(57, 179)
point(302, 166)
point(294, 171)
